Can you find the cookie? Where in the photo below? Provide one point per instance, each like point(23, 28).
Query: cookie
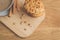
point(33, 7)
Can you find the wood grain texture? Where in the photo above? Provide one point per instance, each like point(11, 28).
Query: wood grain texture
point(23, 26)
point(48, 30)
point(21, 23)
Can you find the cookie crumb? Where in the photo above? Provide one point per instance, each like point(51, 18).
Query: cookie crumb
point(13, 23)
point(9, 16)
point(21, 22)
point(25, 21)
point(28, 24)
point(25, 29)
point(22, 15)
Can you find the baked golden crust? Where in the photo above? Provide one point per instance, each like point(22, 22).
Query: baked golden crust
point(33, 7)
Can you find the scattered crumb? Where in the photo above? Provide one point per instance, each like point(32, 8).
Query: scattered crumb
point(25, 21)
point(22, 14)
point(21, 22)
point(13, 23)
point(24, 29)
point(28, 24)
point(9, 16)
point(20, 17)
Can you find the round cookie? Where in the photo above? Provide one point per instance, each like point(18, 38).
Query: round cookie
point(34, 7)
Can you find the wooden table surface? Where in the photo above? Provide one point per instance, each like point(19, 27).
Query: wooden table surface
point(49, 29)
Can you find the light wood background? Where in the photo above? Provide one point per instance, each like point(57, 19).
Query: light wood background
point(49, 29)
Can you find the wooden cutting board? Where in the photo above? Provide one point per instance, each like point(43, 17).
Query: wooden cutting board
point(22, 24)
